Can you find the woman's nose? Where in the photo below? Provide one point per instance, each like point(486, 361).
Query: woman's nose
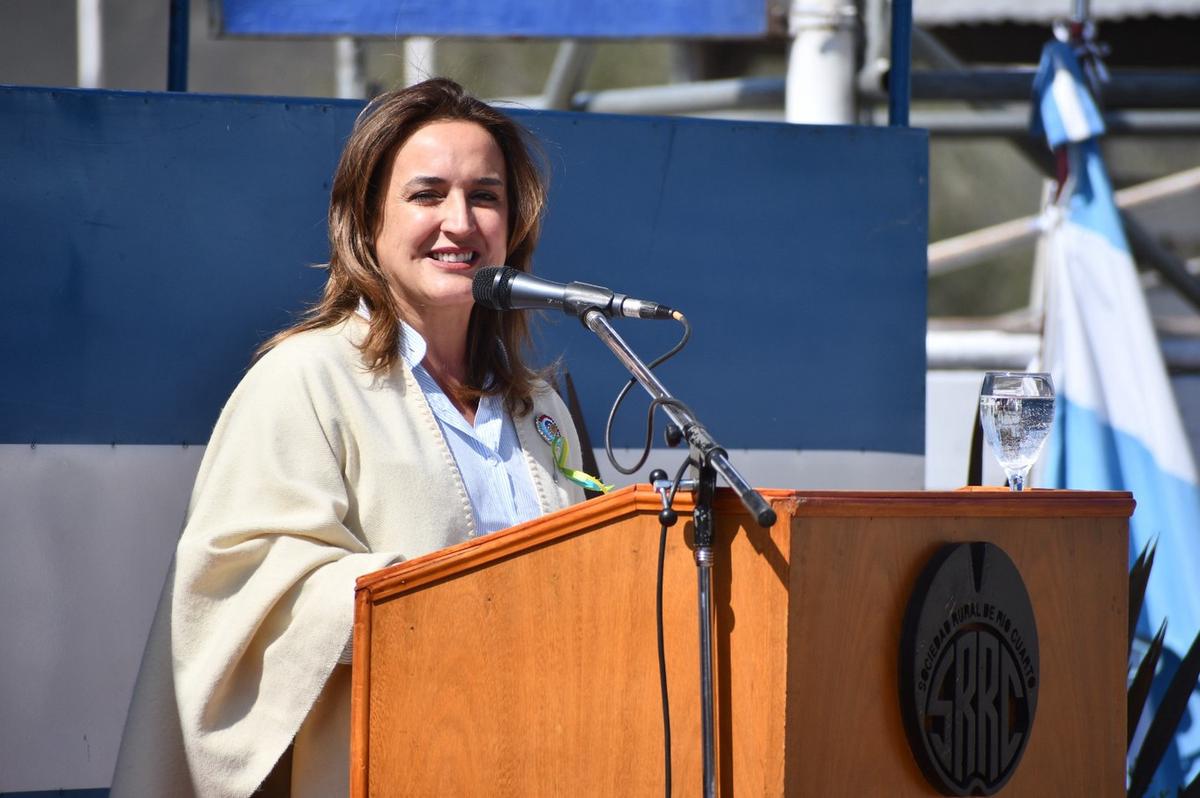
point(460, 216)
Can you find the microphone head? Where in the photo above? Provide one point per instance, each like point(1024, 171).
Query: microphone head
point(492, 287)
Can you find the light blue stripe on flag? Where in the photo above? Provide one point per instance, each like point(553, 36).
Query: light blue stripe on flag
point(1117, 426)
point(1087, 453)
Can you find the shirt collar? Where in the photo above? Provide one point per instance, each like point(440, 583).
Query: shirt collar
point(412, 344)
point(490, 416)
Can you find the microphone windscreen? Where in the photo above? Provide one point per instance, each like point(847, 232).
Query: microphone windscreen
point(492, 287)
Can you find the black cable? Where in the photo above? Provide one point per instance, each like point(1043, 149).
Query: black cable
point(663, 358)
point(666, 518)
point(655, 404)
point(662, 649)
point(662, 664)
point(678, 479)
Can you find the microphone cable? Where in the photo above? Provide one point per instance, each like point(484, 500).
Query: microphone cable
point(663, 358)
point(667, 519)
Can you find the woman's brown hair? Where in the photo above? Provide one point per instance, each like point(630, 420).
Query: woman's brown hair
point(494, 340)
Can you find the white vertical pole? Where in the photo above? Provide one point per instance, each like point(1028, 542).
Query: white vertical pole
point(351, 78)
point(1042, 256)
point(420, 59)
point(89, 44)
point(821, 62)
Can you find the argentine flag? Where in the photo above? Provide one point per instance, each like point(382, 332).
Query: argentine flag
point(1116, 423)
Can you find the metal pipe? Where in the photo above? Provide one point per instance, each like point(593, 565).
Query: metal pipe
point(708, 740)
point(958, 252)
point(930, 49)
point(682, 98)
point(570, 66)
point(1009, 123)
point(1162, 188)
point(1013, 122)
point(876, 16)
point(985, 343)
point(177, 50)
point(716, 96)
point(982, 347)
point(899, 82)
point(820, 84)
point(89, 44)
point(1126, 89)
point(420, 59)
point(1172, 269)
point(349, 68)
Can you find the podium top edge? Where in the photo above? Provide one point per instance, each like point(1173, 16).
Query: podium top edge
point(987, 502)
point(790, 505)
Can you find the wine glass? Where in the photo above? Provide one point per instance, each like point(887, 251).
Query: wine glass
point(1016, 409)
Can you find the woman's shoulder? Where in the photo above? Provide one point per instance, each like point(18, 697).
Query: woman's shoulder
point(302, 380)
point(306, 364)
point(320, 349)
point(545, 399)
point(548, 383)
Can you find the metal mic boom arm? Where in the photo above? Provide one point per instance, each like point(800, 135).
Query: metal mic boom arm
point(695, 433)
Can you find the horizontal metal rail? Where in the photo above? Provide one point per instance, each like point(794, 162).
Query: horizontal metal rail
point(1125, 89)
point(1128, 90)
point(1013, 122)
point(965, 250)
point(985, 344)
point(683, 98)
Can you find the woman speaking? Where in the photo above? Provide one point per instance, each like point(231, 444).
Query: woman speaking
point(397, 418)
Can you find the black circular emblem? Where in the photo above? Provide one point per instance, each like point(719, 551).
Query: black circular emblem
point(969, 669)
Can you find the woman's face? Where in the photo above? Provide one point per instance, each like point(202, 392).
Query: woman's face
point(445, 215)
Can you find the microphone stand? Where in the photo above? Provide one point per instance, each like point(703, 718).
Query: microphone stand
point(710, 459)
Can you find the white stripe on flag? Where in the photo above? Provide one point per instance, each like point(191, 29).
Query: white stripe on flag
point(1101, 346)
point(1066, 98)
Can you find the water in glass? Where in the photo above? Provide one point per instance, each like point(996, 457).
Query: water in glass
point(1016, 411)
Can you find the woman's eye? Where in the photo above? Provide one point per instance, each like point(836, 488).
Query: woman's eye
point(424, 196)
point(486, 196)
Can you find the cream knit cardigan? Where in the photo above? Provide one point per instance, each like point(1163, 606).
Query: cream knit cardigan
point(317, 472)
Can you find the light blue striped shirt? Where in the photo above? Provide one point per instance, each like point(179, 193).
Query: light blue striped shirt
point(488, 454)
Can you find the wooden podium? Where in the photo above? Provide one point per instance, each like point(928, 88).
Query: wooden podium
point(525, 663)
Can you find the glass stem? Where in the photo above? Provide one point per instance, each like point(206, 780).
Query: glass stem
point(1016, 481)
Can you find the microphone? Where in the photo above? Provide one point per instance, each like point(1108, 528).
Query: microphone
point(505, 288)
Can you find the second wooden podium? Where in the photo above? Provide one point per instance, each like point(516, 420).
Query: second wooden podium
point(525, 663)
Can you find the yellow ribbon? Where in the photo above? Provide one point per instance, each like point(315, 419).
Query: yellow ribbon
point(547, 427)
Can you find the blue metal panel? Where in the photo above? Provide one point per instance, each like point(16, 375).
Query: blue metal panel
point(619, 19)
point(151, 240)
point(797, 252)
